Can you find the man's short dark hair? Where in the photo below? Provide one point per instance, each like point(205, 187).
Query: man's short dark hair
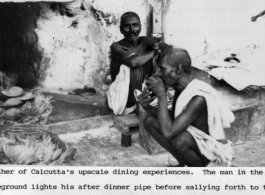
point(175, 56)
point(129, 14)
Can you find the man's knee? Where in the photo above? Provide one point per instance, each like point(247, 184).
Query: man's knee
point(182, 142)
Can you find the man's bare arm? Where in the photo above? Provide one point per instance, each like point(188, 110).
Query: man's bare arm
point(171, 128)
point(152, 110)
point(126, 57)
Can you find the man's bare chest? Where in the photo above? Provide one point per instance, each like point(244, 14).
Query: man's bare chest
point(142, 48)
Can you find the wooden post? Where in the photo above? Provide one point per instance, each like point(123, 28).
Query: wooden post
point(157, 18)
point(157, 15)
point(149, 20)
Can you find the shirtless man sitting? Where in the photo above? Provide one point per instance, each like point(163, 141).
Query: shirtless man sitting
point(133, 51)
point(170, 132)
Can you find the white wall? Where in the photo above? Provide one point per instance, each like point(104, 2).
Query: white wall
point(216, 26)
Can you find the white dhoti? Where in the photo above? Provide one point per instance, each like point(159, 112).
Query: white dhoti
point(118, 92)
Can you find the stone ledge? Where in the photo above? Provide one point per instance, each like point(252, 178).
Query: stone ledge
point(80, 124)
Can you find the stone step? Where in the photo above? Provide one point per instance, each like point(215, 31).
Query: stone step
point(80, 124)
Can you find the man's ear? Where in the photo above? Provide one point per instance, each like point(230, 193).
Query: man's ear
point(179, 69)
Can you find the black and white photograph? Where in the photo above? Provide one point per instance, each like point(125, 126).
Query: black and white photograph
point(129, 85)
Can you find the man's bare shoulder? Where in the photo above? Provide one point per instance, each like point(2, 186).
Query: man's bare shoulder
point(116, 45)
point(197, 104)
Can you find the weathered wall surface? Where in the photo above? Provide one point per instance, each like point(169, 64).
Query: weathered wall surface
point(75, 39)
point(67, 41)
point(215, 29)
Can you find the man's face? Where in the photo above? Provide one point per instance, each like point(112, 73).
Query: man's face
point(131, 28)
point(168, 73)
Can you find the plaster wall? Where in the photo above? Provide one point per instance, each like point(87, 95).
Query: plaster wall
point(213, 29)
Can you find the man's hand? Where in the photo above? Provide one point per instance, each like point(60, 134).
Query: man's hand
point(254, 18)
point(157, 86)
point(145, 98)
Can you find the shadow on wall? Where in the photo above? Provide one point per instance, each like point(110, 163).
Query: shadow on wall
point(18, 53)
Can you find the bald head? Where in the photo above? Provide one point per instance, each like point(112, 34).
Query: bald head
point(175, 56)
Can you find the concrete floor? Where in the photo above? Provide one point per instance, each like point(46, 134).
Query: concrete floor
point(250, 154)
point(101, 147)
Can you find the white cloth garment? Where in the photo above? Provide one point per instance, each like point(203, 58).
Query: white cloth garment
point(118, 92)
point(219, 117)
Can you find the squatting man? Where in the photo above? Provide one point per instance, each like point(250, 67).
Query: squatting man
point(186, 131)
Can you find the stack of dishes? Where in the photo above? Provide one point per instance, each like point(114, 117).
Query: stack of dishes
point(14, 97)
